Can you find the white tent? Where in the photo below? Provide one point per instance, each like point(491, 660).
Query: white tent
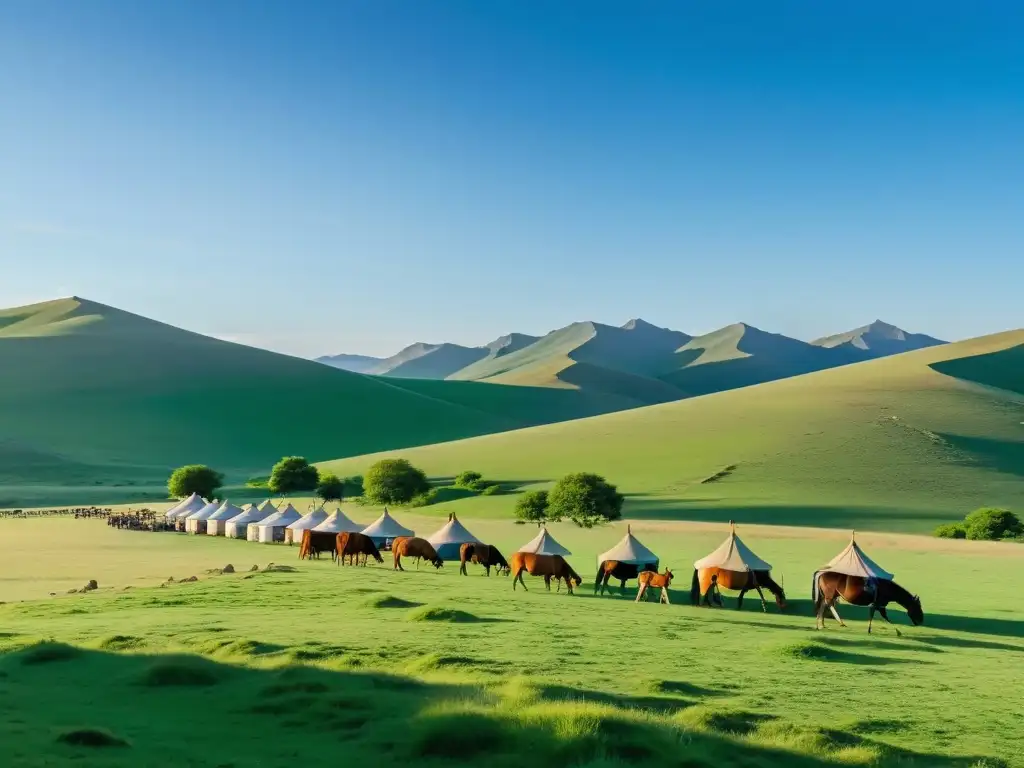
point(193, 503)
point(629, 551)
point(196, 522)
point(733, 555)
point(338, 522)
point(272, 528)
point(449, 539)
point(385, 528)
point(853, 562)
point(312, 519)
point(544, 544)
point(216, 522)
point(236, 526)
point(267, 509)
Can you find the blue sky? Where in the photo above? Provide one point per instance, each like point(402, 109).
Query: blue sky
point(356, 176)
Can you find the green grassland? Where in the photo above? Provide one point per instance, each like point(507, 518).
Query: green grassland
point(315, 664)
point(900, 443)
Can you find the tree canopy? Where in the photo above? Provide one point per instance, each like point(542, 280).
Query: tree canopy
point(293, 474)
point(532, 507)
point(394, 481)
point(194, 478)
point(330, 487)
point(586, 499)
point(992, 524)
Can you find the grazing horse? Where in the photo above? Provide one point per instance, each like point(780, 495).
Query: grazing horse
point(410, 546)
point(613, 569)
point(315, 542)
point(742, 581)
point(548, 566)
point(486, 555)
point(874, 593)
point(353, 545)
point(649, 579)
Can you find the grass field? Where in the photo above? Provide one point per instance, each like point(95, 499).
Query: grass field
point(902, 443)
point(317, 664)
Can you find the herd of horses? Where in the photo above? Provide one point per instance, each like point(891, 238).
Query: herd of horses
point(79, 513)
point(828, 586)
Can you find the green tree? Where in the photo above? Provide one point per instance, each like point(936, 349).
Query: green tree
point(330, 487)
point(353, 486)
point(194, 478)
point(394, 481)
point(992, 524)
point(586, 499)
point(951, 531)
point(532, 507)
point(469, 480)
point(291, 475)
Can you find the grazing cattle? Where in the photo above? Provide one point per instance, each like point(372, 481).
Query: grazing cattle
point(353, 545)
point(610, 569)
point(412, 546)
point(649, 579)
point(829, 586)
point(315, 542)
point(707, 582)
point(548, 566)
point(486, 555)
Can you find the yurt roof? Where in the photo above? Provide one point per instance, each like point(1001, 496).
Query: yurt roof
point(281, 518)
point(338, 522)
point(225, 511)
point(193, 503)
point(204, 512)
point(387, 527)
point(544, 544)
point(309, 520)
point(733, 555)
point(630, 551)
point(267, 507)
point(853, 562)
point(453, 532)
point(251, 515)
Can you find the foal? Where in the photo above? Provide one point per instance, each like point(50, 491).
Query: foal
point(652, 579)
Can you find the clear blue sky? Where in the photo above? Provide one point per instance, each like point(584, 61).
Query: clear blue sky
point(355, 176)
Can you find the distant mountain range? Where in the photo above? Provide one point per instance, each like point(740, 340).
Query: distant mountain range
point(638, 361)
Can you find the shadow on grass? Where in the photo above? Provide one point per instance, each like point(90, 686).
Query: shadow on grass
point(372, 718)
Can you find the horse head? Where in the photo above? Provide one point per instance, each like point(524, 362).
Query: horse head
point(915, 612)
point(437, 563)
point(668, 577)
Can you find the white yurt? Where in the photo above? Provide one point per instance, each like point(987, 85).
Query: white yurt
point(216, 522)
point(251, 531)
point(629, 551)
point(196, 522)
point(384, 529)
point(338, 522)
point(193, 503)
point(236, 526)
point(852, 561)
point(293, 533)
point(733, 555)
point(272, 528)
point(449, 539)
point(544, 544)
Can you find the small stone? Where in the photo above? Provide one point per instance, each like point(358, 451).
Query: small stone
point(254, 568)
point(229, 568)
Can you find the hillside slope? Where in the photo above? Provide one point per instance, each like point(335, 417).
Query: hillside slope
point(879, 339)
point(428, 361)
point(353, 363)
point(899, 443)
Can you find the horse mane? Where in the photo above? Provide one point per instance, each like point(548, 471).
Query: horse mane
point(901, 595)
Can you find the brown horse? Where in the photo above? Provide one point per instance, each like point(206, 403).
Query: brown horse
point(706, 580)
point(353, 545)
point(486, 555)
point(649, 579)
point(613, 569)
point(874, 593)
point(410, 546)
point(548, 566)
point(315, 542)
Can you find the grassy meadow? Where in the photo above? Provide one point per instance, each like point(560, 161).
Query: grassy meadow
point(309, 663)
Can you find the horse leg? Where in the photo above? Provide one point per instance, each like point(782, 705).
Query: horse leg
point(819, 612)
point(640, 592)
point(764, 606)
point(739, 600)
point(622, 586)
point(462, 568)
point(832, 607)
point(518, 577)
point(664, 596)
point(885, 615)
point(547, 582)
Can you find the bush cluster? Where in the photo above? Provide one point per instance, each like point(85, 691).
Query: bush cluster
point(985, 524)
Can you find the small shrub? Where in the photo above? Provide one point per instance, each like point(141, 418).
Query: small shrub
point(951, 531)
point(992, 524)
point(443, 614)
point(121, 643)
point(425, 499)
point(492, 490)
point(469, 480)
point(91, 737)
point(194, 478)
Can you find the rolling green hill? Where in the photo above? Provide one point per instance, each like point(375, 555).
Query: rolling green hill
point(898, 443)
point(94, 396)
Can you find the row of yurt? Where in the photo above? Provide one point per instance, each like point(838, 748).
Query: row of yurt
point(263, 512)
point(272, 528)
point(386, 529)
point(215, 523)
point(196, 522)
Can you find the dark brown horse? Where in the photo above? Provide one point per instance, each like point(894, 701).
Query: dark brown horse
point(613, 569)
point(353, 545)
point(653, 579)
point(420, 549)
point(548, 566)
point(315, 542)
point(874, 593)
point(486, 555)
point(705, 581)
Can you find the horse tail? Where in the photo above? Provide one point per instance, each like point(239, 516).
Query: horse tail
point(815, 588)
point(695, 588)
point(600, 575)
